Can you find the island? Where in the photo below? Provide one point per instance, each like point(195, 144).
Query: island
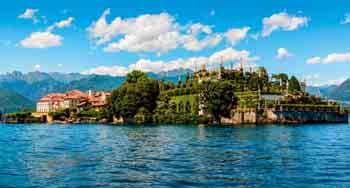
point(215, 95)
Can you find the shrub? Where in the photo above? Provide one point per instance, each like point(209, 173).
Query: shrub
point(204, 120)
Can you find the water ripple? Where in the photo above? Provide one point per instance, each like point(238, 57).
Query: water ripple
point(174, 156)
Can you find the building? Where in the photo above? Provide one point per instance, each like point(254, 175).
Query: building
point(72, 99)
point(98, 100)
point(50, 102)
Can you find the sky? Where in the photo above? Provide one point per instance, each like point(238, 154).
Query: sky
point(307, 39)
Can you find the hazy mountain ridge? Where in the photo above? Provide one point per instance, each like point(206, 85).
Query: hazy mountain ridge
point(341, 92)
point(96, 83)
point(11, 101)
point(323, 91)
point(34, 85)
point(337, 92)
point(37, 76)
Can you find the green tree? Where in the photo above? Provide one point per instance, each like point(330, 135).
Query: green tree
point(217, 98)
point(134, 76)
point(294, 85)
point(281, 76)
point(263, 79)
point(139, 91)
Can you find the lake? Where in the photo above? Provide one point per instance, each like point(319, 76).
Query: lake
point(174, 156)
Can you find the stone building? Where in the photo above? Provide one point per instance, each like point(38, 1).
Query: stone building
point(71, 99)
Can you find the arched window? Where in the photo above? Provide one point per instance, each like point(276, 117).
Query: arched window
point(180, 107)
point(188, 107)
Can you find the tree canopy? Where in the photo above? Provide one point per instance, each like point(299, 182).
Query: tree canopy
point(218, 98)
point(139, 91)
point(294, 85)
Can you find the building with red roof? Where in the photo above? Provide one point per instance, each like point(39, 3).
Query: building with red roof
point(72, 99)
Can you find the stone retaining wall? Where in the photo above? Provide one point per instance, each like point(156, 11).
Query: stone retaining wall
point(252, 116)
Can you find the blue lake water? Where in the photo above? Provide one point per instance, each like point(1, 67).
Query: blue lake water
point(174, 156)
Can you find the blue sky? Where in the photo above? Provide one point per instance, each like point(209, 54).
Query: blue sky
point(304, 38)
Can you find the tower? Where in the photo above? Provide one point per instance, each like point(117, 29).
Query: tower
point(318, 93)
point(204, 67)
point(220, 69)
point(195, 66)
point(242, 64)
point(222, 63)
point(303, 86)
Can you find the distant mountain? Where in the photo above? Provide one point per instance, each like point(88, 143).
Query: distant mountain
point(67, 78)
point(341, 92)
point(176, 72)
point(37, 76)
point(11, 101)
point(30, 77)
point(33, 90)
point(172, 76)
point(34, 85)
point(96, 82)
point(337, 92)
point(324, 91)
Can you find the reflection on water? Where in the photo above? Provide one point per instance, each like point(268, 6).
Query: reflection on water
point(174, 156)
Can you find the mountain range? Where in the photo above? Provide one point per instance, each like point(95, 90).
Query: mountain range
point(336, 92)
point(26, 88)
point(323, 90)
point(11, 101)
point(341, 92)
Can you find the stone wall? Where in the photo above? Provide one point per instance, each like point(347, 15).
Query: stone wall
point(248, 116)
point(252, 116)
point(44, 115)
point(307, 117)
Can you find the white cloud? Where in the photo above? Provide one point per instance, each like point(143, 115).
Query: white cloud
point(61, 24)
point(236, 35)
point(146, 65)
point(101, 31)
point(312, 77)
point(283, 53)
point(60, 65)
point(37, 67)
point(314, 60)
point(104, 70)
point(337, 58)
point(316, 80)
point(282, 21)
point(46, 39)
point(331, 58)
point(317, 83)
point(335, 81)
point(65, 23)
point(158, 33)
point(346, 19)
point(193, 44)
point(155, 33)
point(198, 28)
point(41, 40)
point(191, 41)
point(226, 55)
point(29, 14)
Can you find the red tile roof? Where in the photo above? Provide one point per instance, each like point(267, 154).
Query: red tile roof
point(96, 99)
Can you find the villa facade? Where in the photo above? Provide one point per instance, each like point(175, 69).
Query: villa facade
point(72, 99)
